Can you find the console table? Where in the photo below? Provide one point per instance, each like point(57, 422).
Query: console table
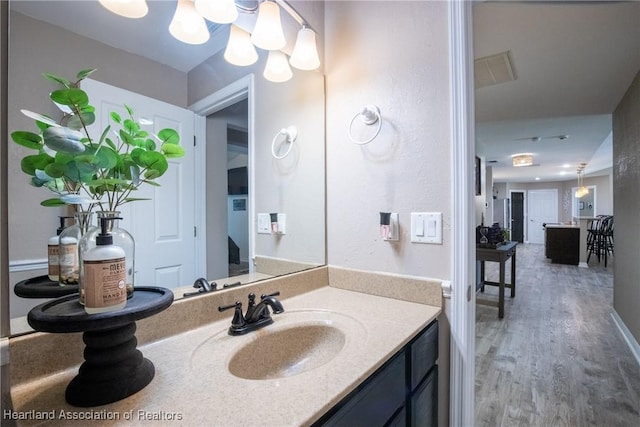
point(500, 255)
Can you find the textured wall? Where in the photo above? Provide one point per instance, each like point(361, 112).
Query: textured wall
point(395, 56)
point(626, 202)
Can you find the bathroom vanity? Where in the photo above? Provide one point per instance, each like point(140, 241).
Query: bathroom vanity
point(330, 357)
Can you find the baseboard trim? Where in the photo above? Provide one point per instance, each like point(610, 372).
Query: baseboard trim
point(583, 264)
point(628, 337)
point(28, 265)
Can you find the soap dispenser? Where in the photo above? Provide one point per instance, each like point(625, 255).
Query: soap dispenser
point(52, 252)
point(105, 274)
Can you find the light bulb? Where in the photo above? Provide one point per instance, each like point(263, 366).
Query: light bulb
point(240, 51)
point(305, 52)
point(187, 25)
point(277, 69)
point(126, 8)
point(220, 11)
point(267, 33)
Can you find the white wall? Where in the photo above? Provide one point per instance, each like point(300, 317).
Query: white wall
point(394, 56)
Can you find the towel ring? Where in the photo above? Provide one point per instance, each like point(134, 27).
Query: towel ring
point(291, 134)
point(369, 114)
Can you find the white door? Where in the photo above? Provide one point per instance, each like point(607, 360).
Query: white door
point(543, 208)
point(163, 226)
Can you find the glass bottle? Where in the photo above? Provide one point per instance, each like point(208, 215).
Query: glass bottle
point(121, 238)
point(69, 252)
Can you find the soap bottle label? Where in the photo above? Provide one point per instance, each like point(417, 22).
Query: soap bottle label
point(105, 282)
point(69, 263)
point(53, 260)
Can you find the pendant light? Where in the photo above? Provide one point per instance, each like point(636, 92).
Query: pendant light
point(219, 11)
point(187, 25)
point(268, 34)
point(305, 52)
point(240, 51)
point(126, 8)
point(582, 189)
point(277, 69)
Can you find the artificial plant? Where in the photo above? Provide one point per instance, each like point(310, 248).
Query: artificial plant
point(83, 169)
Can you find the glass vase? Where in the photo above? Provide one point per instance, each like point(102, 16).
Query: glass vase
point(121, 238)
point(69, 252)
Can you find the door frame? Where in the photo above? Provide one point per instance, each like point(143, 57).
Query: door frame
point(462, 128)
point(228, 95)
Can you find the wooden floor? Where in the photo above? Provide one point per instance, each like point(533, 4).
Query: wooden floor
point(557, 358)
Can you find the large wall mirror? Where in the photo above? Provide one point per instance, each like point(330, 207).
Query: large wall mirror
point(236, 111)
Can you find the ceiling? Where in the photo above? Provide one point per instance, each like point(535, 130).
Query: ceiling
point(573, 63)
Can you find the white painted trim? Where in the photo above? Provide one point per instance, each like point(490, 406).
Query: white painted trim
point(28, 265)
point(229, 95)
point(446, 289)
point(462, 119)
point(583, 264)
point(4, 351)
point(627, 336)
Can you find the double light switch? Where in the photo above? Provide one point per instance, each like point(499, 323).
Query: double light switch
point(426, 227)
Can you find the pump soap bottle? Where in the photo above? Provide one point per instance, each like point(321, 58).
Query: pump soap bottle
point(52, 252)
point(105, 273)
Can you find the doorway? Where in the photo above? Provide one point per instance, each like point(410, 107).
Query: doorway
point(542, 208)
point(517, 216)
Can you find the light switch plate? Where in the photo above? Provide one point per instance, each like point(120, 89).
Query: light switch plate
point(426, 227)
point(264, 223)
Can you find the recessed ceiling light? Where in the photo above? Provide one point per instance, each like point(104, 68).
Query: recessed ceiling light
point(563, 172)
point(537, 178)
point(566, 165)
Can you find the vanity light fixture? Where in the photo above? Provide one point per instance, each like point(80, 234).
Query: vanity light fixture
point(187, 25)
point(277, 69)
point(126, 8)
point(305, 53)
point(240, 51)
point(219, 11)
point(524, 159)
point(268, 34)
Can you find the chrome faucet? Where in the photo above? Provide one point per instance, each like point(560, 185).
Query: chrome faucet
point(257, 315)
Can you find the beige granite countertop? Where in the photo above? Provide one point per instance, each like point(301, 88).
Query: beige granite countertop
point(193, 386)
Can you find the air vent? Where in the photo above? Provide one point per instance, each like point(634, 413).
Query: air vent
point(494, 69)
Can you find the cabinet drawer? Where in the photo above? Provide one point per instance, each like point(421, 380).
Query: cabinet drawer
point(424, 353)
point(424, 410)
point(375, 402)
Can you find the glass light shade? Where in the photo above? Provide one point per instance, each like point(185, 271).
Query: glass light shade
point(581, 192)
point(267, 34)
point(127, 8)
point(240, 51)
point(187, 25)
point(305, 53)
point(277, 69)
point(220, 11)
point(522, 160)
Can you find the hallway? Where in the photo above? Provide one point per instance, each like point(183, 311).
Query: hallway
point(557, 358)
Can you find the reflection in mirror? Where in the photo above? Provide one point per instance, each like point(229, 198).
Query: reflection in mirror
point(585, 206)
point(41, 41)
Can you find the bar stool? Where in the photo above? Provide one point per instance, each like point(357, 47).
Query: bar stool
point(593, 230)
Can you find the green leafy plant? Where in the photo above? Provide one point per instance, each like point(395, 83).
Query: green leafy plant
point(83, 170)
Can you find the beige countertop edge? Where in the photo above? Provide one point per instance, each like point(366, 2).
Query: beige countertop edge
point(191, 373)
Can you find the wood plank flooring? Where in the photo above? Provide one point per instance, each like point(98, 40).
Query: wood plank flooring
point(557, 358)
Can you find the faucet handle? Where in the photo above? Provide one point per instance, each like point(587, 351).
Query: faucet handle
point(275, 294)
point(238, 319)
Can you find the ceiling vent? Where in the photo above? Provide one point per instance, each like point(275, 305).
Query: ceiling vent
point(494, 69)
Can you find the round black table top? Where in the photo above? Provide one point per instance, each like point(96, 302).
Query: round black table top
point(66, 314)
point(42, 287)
